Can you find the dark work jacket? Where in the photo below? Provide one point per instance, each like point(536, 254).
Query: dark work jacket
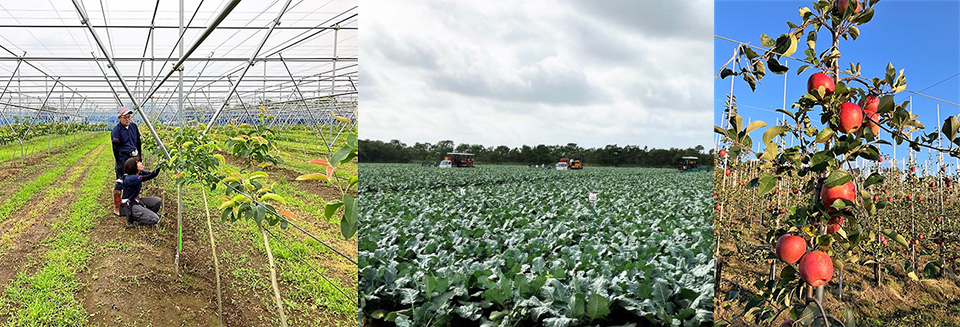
point(133, 183)
point(125, 141)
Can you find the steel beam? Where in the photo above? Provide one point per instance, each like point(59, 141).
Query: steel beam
point(249, 64)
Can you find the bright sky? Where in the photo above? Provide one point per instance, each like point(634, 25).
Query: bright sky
point(538, 72)
point(921, 37)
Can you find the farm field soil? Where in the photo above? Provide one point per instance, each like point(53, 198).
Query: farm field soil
point(927, 303)
point(518, 246)
point(71, 262)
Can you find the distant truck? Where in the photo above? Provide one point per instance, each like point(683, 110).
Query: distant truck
point(457, 159)
point(571, 164)
point(688, 164)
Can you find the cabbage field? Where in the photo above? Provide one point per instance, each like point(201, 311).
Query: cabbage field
point(517, 246)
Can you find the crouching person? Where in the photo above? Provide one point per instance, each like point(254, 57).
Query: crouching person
point(138, 209)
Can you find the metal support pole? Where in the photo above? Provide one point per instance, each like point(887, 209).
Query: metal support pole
point(247, 68)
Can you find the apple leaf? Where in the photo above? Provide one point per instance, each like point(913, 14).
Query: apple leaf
point(726, 72)
point(776, 67)
point(950, 126)
point(754, 125)
point(825, 135)
point(838, 177)
point(854, 32)
point(767, 182)
point(865, 17)
point(895, 236)
point(873, 179)
point(766, 40)
point(886, 104)
point(773, 132)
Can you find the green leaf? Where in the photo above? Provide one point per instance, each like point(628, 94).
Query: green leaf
point(767, 182)
point(890, 233)
point(886, 104)
point(950, 126)
point(331, 208)
point(352, 140)
point(597, 307)
point(340, 157)
point(766, 40)
point(718, 130)
point(578, 305)
point(854, 32)
point(725, 72)
point(864, 17)
point(770, 152)
point(873, 179)
point(825, 135)
point(754, 125)
point(350, 221)
point(838, 177)
point(776, 67)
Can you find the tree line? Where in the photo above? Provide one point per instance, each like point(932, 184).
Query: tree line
point(611, 155)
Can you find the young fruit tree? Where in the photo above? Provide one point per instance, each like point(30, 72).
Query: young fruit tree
point(857, 114)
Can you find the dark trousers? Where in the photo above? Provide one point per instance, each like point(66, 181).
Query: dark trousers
point(118, 183)
point(147, 212)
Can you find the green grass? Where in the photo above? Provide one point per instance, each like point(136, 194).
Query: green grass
point(302, 289)
point(27, 192)
point(47, 297)
point(11, 151)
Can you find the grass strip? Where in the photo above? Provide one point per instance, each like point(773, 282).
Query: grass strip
point(47, 298)
point(27, 192)
point(11, 150)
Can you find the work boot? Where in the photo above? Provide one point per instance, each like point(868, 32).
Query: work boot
point(130, 220)
point(116, 202)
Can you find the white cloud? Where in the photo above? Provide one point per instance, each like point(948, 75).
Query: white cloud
point(531, 72)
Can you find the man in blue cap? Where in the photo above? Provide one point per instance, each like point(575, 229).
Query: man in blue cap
point(126, 144)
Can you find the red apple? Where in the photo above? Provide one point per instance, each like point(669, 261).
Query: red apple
point(913, 169)
point(850, 117)
point(816, 268)
point(727, 171)
point(870, 103)
point(820, 80)
point(843, 192)
point(872, 117)
point(842, 5)
point(790, 248)
point(723, 152)
point(834, 224)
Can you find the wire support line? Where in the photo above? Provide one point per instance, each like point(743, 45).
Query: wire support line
point(807, 62)
point(310, 265)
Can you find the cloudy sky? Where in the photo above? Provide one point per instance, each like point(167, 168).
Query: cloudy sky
point(531, 72)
